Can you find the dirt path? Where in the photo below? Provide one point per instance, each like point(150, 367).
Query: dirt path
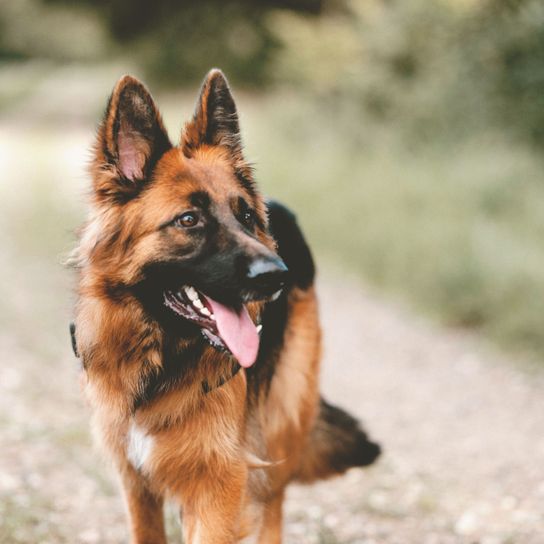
point(463, 433)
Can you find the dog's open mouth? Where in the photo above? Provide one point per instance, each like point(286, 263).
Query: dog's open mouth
point(223, 327)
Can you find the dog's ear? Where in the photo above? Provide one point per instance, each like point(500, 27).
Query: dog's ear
point(215, 121)
point(130, 141)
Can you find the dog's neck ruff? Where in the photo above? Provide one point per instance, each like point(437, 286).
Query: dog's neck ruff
point(206, 386)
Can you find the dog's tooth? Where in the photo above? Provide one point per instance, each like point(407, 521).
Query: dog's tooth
point(259, 327)
point(212, 317)
point(191, 293)
point(276, 295)
point(205, 311)
point(198, 303)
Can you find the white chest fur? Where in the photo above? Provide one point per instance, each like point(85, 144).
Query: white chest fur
point(139, 446)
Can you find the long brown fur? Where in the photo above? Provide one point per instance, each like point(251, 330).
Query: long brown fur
point(224, 455)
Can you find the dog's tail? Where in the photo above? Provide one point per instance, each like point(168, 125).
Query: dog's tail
point(336, 443)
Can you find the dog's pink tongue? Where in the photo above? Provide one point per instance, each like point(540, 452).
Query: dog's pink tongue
point(238, 332)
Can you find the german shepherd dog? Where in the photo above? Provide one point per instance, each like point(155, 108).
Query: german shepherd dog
point(197, 325)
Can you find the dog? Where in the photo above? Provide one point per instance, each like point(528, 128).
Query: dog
point(196, 322)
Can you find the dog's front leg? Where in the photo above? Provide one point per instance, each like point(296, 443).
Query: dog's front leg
point(212, 507)
point(271, 528)
point(145, 510)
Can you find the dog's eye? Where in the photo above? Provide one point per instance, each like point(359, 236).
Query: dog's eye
point(186, 220)
point(248, 218)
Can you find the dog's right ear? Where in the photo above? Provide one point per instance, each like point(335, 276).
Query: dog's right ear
point(130, 141)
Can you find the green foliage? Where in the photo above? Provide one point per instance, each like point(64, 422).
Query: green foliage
point(173, 40)
point(243, 47)
point(431, 69)
point(31, 30)
point(511, 43)
point(438, 69)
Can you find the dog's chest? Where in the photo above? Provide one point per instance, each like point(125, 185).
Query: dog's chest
point(139, 445)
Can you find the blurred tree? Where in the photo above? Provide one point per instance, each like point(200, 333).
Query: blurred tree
point(30, 29)
point(129, 19)
point(176, 40)
point(509, 35)
point(434, 69)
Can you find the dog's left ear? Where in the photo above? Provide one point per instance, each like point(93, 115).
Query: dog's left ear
point(130, 141)
point(215, 121)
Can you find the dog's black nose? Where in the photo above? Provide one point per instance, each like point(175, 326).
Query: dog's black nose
point(267, 275)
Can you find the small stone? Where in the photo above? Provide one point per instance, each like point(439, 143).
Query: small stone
point(466, 524)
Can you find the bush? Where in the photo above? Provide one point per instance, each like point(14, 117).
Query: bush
point(431, 69)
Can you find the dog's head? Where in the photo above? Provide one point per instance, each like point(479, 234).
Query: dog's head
point(181, 229)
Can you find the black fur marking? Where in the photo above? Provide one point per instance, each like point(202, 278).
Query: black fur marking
point(73, 338)
point(141, 344)
point(207, 388)
point(200, 199)
point(110, 159)
point(274, 319)
point(292, 246)
point(127, 242)
point(247, 183)
point(175, 366)
point(115, 291)
point(115, 236)
point(294, 251)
